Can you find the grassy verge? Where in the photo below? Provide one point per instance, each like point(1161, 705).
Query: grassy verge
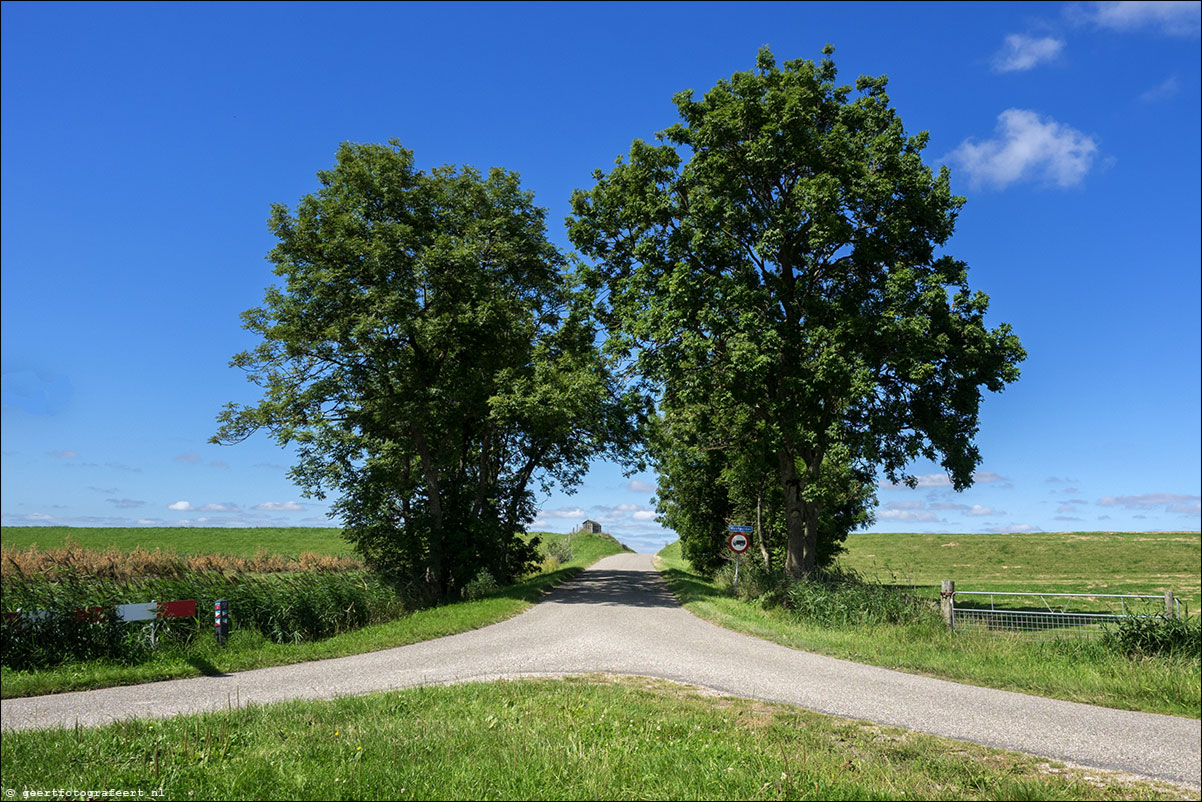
point(1067, 562)
point(1077, 671)
point(247, 650)
point(582, 738)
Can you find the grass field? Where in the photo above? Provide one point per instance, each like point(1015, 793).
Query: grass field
point(1080, 671)
point(184, 540)
point(248, 649)
point(581, 738)
point(1064, 562)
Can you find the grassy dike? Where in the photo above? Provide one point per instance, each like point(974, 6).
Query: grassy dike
point(1077, 671)
point(580, 738)
point(247, 650)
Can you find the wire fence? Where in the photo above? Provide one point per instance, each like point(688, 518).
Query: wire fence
point(1052, 614)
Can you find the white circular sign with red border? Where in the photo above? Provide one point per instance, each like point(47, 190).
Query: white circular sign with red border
point(739, 542)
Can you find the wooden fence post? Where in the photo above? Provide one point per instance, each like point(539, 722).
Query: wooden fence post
point(1170, 606)
point(947, 599)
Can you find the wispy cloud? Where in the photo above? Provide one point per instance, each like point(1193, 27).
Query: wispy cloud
point(1014, 529)
point(1162, 91)
point(907, 515)
point(639, 486)
point(1022, 52)
point(125, 503)
point(184, 506)
point(1169, 18)
point(1171, 502)
point(68, 454)
point(564, 512)
point(279, 506)
point(943, 480)
point(1027, 148)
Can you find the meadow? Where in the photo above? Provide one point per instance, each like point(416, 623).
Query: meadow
point(282, 618)
point(239, 542)
point(1052, 562)
point(592, 737)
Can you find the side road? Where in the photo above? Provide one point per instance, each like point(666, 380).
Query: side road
point(619, 617)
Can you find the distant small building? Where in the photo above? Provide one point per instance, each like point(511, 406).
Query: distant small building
point(591, 527)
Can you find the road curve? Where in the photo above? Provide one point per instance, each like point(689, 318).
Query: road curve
point(619, 617)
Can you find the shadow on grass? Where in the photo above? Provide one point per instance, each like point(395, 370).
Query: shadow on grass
point(204, 666)
point(690, 587)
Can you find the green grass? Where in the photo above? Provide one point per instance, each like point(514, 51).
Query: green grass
point(185, 540)
point(246, 650)
point(581, 738)
point(1080, 671)
point(1053, 562)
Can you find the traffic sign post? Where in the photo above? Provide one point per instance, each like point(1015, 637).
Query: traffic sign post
point(739, 542)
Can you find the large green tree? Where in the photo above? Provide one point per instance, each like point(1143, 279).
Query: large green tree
point(779, 254)
point(430, 360)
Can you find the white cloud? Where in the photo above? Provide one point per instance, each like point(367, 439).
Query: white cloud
point(1014, 529)
point(904, 505)
point(1162, 91)
point(977, 509)
point(644, 515)
point(181, 506)
point(1171, 18)
point(907, 515)
point(564, 512)
point(1024, 52)
point(1027, 148)
point(640, 487)
point(1147, 501)
point(229, 506)
point(943, 480)
point(1066, 508)
point(63, 454)
point(191, 458)
point(279, 506)
point(1185, 509)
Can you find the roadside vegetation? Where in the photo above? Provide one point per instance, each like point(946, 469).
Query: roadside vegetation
point(580, 738)
point(278, 618)
point(863, 620)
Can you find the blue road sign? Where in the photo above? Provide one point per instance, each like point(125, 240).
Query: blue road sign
point(734, 528)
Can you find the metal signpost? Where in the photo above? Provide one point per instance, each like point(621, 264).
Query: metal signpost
point(739, 542)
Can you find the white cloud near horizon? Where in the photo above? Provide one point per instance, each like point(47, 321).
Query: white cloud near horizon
point(279, 506)
point(185, 506)
point(1169, 18)
point(1014, 529)
point(1027, 148)
point(1147, 500)
point(908, 515)
point(1023, 52)
point(125, 503)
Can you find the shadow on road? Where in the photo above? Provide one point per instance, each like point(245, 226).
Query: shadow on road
point(616, 588)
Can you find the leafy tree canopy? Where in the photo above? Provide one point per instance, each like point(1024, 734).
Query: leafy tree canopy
point(774, 264)
point(431, 362)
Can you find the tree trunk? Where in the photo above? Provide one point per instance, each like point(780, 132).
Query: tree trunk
point(436, 572)
point(800, 547)
point(759, 532)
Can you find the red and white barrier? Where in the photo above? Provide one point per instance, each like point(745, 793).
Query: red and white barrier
point(149, 611)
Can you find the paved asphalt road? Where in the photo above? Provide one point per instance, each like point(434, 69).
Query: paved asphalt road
point(619, 617)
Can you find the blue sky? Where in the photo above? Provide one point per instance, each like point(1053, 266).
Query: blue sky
point(143, 143)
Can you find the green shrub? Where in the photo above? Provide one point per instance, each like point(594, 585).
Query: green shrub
point(560, 550)
point(1141, 636)
point(481, 586)
point(832, 598)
